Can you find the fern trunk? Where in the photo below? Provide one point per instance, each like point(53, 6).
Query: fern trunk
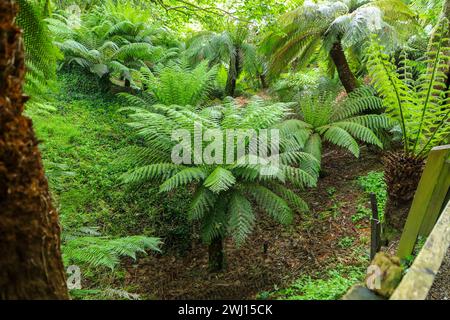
point(216, 255)
point(264, 83)
point(30, 257)
point(230, 87)
point(402, 175)
point(346, 75)
point(234, 72)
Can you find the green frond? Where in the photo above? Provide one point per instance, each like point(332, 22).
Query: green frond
point(419, 105)
point(299, 177)
point(294, 200)
point(273, 204)
point(242, 218)
point(39, 49)
point(106, 252)
point(214, 224)
point(149, 172)
point(314, 146)
point(202, 202)
point(361, 100)
point(220, 180)
point(341, 138)
point(359, 132)
point(182, 178)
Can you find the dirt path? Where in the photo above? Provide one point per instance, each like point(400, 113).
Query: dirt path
point(441, 285)
point(309, 245)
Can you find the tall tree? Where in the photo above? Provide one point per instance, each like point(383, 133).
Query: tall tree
point(335, 26)
point(231, 47)
point(30, 264)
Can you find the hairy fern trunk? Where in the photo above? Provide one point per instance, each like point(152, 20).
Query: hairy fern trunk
point(30, 257)
point(402, 175)
point(216, 255)
point(346, 75)
point(234, 72)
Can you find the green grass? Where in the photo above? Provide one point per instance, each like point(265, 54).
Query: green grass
point(332, 285)
point(346, 242)
point(373, 182)
point(80, 143)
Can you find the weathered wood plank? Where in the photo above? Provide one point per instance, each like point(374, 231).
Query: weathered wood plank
point(417, 282)
point(419, 213)
point(434, 208)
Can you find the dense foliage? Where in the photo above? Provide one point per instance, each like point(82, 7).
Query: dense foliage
point(114, 81)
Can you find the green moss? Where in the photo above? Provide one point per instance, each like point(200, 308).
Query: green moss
point(330, 286)
point(373, 182)
point(83, 136)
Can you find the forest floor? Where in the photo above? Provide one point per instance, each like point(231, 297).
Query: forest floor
point(326, 239)
point(441, 285)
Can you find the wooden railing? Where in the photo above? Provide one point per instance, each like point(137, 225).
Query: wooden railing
point(431, 199)
point(429, 217)
point(419, 279)
point(431, 195)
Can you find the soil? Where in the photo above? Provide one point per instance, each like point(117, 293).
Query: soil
point(441, 285)
point(273, 255)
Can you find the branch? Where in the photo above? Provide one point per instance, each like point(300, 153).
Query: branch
point(188, 8)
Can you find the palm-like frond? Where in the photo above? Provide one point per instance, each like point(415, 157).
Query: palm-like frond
point(41, 54)
point(322, 24)
point(421, 106)
point(177, 84)
point(223, 190)
point(105, 252)
point(339, 123)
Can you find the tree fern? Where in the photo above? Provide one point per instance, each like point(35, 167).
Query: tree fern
point(41, 54)
point(341, 123)
point(420, 106)
point(333, 26)
point(225, 192)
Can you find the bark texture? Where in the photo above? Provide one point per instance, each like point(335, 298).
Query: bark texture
point(402, 175)
point(216, 255)
point(30, 257)
point(346, 75)
point(234, 71)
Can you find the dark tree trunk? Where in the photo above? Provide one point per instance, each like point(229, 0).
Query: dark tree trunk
point(105, 82)
point(263, 79)
point(30, 257)
point(346, 75)
point(216, 255)
point(230, 87)
point(234, 71)
point(402, 175)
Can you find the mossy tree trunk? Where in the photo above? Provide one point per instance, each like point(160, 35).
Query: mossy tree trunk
point(346, 75)
point(30, 257)
point(216, 255)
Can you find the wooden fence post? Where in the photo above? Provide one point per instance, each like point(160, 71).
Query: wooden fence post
point(428, 200)
point(375, 243)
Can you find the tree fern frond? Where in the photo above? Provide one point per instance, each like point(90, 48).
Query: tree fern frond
point(274, 205)
point(106, 252)
point(242, 218)
point(220, 180)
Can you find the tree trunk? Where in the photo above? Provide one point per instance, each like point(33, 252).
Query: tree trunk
point(346, 75)
point(216, 255)
point(402, 175)
point(234, 71)
point(263, 79)
point(30, 257)
point(230, 87)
